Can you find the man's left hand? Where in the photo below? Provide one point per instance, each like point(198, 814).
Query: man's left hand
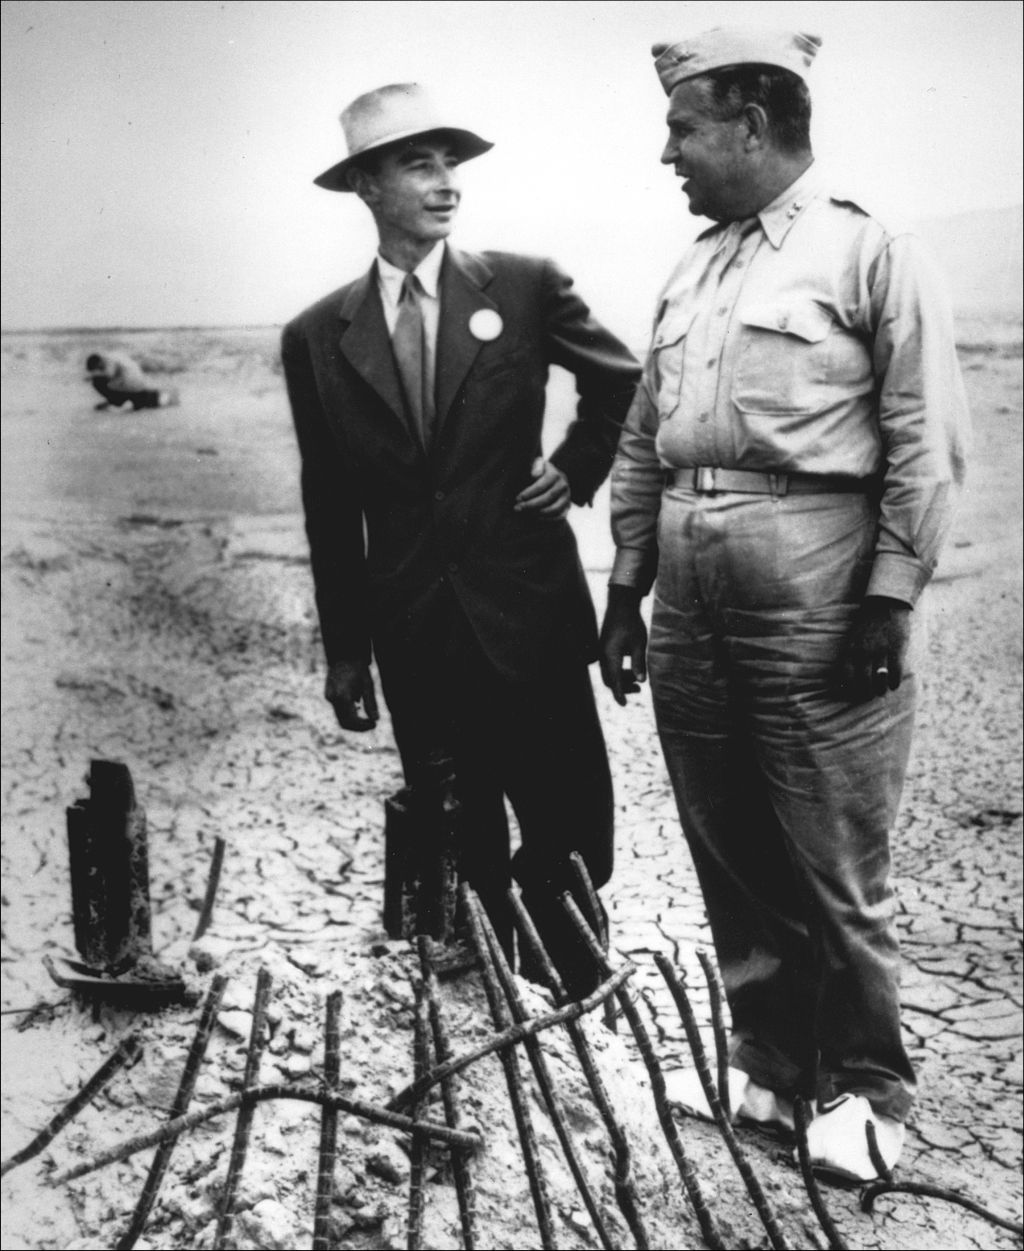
point(873, 656)
point(548, 494)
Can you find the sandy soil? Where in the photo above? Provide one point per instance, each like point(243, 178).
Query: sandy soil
point(157, 609)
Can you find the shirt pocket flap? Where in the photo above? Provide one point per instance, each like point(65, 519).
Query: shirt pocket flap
point(805, 321)
point(673, 327)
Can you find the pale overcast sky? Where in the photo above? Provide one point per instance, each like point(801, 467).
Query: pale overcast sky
point(158, 154)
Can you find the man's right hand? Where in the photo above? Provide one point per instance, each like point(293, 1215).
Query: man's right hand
point(349, 684)
point(623, 635)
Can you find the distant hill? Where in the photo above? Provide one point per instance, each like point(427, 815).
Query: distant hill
point(981, 253)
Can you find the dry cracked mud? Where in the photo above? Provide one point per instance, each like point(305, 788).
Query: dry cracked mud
point(157, 609)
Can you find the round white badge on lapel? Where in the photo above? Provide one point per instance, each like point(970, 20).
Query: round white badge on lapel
point(485, 325)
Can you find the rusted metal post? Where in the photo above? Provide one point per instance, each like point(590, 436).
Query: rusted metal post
point(399, 840)
point(421, 841)
point(109, 860)
point(438, 891)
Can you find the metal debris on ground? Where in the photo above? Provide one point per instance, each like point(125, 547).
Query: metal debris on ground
point(243, 1125)
point(765, 1211)
point(128, 1052)
point(435, 1066)
point(108, 855)
point(801, 1116)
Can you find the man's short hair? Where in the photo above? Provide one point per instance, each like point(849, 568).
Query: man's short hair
point(783, 96)
point(370, 162)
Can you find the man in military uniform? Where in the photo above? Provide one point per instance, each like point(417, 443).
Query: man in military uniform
point(788, 469)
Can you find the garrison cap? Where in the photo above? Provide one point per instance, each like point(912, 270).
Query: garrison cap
point(733, 45)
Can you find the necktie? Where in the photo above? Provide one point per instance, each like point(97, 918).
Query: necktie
point(410, 347)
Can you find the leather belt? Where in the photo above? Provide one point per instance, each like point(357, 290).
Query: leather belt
point(705, 479)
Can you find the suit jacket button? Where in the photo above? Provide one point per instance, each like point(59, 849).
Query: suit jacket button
point(452, 567)
point(439, 495)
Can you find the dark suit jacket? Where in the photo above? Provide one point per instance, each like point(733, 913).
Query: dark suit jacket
point(399, 535)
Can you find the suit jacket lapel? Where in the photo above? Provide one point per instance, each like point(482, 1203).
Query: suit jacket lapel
point(462, 281)
point(366, 343)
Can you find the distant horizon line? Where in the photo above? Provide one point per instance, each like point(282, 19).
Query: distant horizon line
point(999, 309)
point(225, 325)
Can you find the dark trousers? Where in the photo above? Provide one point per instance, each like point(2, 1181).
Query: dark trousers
point(537, 742)
point(786, 791)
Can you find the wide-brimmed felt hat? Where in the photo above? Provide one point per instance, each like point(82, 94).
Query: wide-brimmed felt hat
point(400, 111)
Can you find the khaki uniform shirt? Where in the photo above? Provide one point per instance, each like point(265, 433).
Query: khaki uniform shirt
point(808, 339)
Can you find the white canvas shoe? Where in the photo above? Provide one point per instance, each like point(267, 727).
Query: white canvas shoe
point(750, 1102)
point(838, 1143)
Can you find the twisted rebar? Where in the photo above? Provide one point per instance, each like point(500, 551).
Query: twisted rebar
point(512, 1036)
point(716, 998)
point(461, 1166)
point(513, 1076)
point(243, 1126)
point(708, 1227)
point(128, 1051)
point(262, 1094)
point(625, 1189)
point(182, 1099)
point(760, 1200)
point(544, 1083)
point(877, 1189)
point(328, 1124)
point(212, 884)
point(828, 1225)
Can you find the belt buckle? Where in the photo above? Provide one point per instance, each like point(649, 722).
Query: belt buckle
point(704, 478)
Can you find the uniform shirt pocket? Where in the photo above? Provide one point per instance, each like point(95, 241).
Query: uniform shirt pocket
point(667, 350)
point(785, 359)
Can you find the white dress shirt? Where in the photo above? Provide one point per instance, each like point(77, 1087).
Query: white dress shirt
point(428, 271)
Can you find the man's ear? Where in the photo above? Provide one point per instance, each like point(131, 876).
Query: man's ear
point(755, 119)
point(362, 183)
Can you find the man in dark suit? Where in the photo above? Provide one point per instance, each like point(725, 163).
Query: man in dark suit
point(437, 530)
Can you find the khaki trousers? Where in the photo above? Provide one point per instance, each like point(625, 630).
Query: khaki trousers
point(786, 791)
